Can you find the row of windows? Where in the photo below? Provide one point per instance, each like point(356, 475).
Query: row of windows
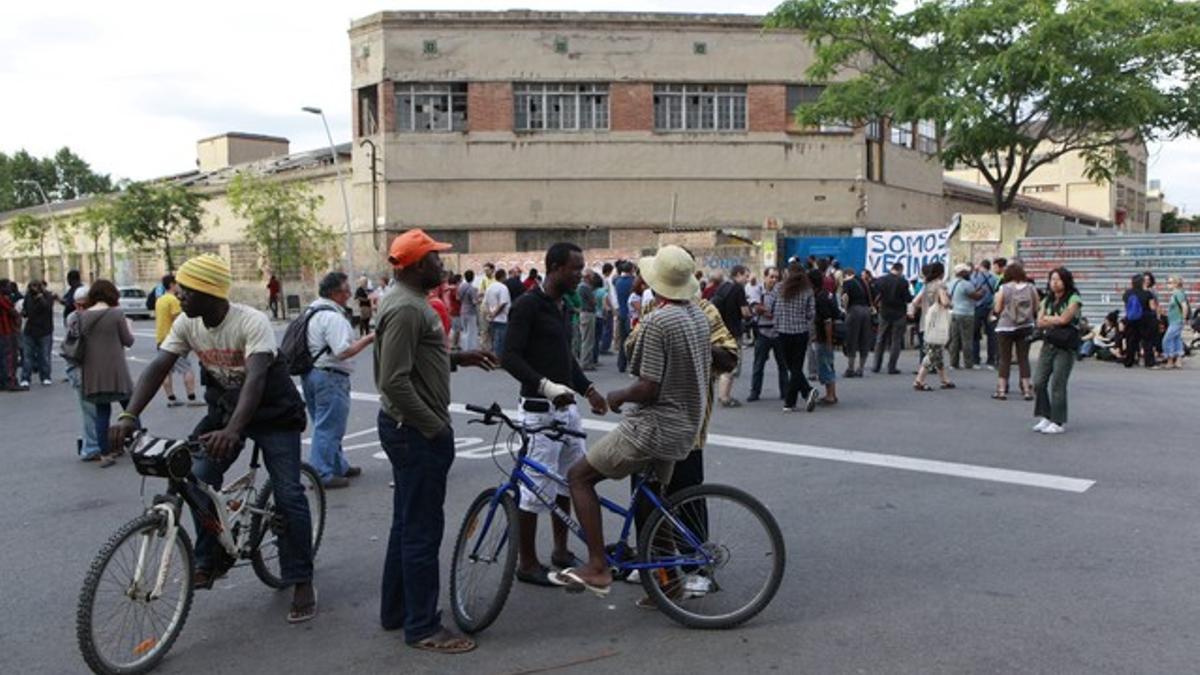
point(442, 107)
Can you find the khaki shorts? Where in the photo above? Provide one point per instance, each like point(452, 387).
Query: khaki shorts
point(615, 457)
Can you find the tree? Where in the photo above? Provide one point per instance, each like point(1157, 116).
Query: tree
point(1011, 84)
point(281, 220)
point(94, 222)
point(63, 176)
point(157, 215)
point(30, 232)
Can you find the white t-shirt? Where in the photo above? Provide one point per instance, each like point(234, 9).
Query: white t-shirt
point(223, 350)
point(496, 295)
point(330, 329)
point(754, 294)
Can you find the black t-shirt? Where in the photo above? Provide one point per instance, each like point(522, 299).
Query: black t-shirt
point(515, 288)
point(729, 299)
point(856, 292)
point(894, 296)
point(1144, 298)
point(826, 310)
point(39, 314)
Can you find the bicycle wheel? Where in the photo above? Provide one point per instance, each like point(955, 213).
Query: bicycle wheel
point(264, 549)
point(121, 630)
point(741, 537)
point(485, 559)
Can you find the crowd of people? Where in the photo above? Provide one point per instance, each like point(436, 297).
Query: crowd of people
point(680, 336)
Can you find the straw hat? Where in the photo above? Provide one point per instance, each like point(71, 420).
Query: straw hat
point(670, 273)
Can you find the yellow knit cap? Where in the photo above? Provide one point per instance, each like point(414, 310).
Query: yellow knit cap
point(208, 274)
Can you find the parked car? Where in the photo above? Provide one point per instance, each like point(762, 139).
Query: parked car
point(133, 302)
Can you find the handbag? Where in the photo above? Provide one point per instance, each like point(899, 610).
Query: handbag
point(74, 344)
point(937, 325)
point(1063, 337)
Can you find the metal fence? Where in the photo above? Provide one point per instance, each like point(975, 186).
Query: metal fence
point(1103, 265)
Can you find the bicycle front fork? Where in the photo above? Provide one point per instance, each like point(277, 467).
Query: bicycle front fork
point(160, 579)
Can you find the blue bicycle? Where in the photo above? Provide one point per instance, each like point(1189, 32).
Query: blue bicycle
point(709, 556)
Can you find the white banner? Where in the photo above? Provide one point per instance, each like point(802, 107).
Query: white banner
point(911, 248)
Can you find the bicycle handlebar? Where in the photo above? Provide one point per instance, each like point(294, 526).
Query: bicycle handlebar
point(494, 413)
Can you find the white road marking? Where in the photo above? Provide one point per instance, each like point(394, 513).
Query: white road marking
point(931, 466)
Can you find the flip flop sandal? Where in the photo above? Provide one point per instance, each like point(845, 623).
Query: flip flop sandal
point(445, 642)
point(304, 612)
point(575, 583)
point(539, 577)
point(922, 387)
point(948, 385)
point(1000, 396)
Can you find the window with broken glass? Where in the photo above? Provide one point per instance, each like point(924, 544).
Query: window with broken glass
point(541, 106)
point(431, 107)
point(700, 107)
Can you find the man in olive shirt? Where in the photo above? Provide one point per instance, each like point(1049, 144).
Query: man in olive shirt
point(412, 373)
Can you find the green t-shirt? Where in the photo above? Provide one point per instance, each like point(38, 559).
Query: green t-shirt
point(1049, 307)
point(574, 303)
point(1175, 310)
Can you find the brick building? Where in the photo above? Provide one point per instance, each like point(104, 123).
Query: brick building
point(504, 131)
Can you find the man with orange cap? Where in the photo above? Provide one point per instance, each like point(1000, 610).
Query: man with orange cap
point(412, 373)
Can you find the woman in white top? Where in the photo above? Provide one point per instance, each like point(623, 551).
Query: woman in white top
point(1016, 309)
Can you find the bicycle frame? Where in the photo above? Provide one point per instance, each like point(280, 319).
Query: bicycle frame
point(520, 477)
point(219, 523)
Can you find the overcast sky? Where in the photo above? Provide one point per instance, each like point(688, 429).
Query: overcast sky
point(132, 85)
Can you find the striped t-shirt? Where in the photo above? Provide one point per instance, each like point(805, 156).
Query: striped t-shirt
point(672, 350)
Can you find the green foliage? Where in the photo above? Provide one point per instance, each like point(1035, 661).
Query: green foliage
point(29, 234)
point(63, 176)
point(157, 215)
point(94, 222)
point(1003, 77)
point(281, 220)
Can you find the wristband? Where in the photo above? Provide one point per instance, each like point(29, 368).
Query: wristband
point(127, 416)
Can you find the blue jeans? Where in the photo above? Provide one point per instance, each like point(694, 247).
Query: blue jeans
point(1172, 342)
point(499, 328)
point(606, 332)
point(327, 395)
point(826, 373)
point(764, 347)
point(37, 356)
point(410, 571)
point(91, 440)
point(281, 455)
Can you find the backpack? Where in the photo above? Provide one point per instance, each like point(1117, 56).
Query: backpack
point(1019, 307)
point(151, 299)
point(1133, 308)
point(293, 349)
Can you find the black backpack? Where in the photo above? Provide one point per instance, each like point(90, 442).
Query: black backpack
point(294, 347)
point(152, 298)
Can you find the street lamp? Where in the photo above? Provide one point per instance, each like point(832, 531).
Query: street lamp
point(341, 184)
point(49, 220)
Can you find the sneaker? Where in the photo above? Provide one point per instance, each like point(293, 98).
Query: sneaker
point(848, 373)
point(977, 367)
point(24, 385)
point(788, 409)
point(1052, 428)
point(1041, 424)
point(634, 577)
point(696, 586)
point(810, 403)
point(46, 382)
point(173, 402)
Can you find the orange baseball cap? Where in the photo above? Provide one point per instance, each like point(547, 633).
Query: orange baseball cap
point(408, 248)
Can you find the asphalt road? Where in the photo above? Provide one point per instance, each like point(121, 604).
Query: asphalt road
point(926, 533)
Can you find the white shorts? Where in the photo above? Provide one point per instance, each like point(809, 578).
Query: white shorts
point(556, 455)
point(183, 364)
